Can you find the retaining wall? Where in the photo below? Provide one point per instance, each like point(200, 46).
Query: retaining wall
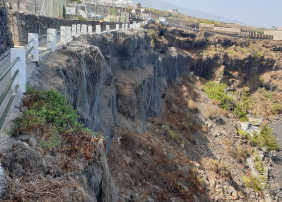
point(227, 29)
point(5, 34)
point(277, 35)
point(22, 24)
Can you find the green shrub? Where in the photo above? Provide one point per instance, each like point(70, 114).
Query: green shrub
point(256, 183)
point(259, 165)
point(276, 108)
point(267, 139)
point(216, 91)
point(49, 113)
point(263, 139)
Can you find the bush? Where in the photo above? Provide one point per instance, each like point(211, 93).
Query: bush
point(48, 115)
point(263, 139)
point(256, 183)
point(267, 139)
point(173, 133)
point(259, 165)
point(217, 167)
point(276, 108)
point(216, 91)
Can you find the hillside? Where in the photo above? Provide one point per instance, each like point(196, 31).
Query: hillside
point(167, 102)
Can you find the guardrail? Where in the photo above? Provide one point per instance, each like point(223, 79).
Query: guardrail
point(20, 57)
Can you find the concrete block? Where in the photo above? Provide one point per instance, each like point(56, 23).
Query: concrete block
point(98, 29)
point(117, 26)
point(108, 29)
point(83, 29)
point(78, 30)
point(63, 35)
point(21, 66)
point(90, 30)
point(33, 42)
point(52, 39)
point(68, 34)
point(73, 31)
point(122, 26)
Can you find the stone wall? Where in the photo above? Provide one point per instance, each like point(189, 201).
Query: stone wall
point(22, 24)
point(277, 35)
point(5, 35)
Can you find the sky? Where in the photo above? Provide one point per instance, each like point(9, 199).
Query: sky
point(260, 13)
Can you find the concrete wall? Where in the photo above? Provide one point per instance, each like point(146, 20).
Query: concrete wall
point(227, 29)
point(277, 35)
point(22, 24)
point(5, 35)
point(205, 25)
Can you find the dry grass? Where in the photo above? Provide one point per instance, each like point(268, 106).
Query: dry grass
point(216, 167)
point(239, 152)
point(44, 189)
point(192, 106)
point(212, 112)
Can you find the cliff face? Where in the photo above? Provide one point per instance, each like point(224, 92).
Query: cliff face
point(115, 80)
point(5, 34)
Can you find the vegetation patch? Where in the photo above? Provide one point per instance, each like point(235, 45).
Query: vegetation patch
point(240, 106)
point(54, 123)
point(259, 165)
point(239, 152)
point(217, 167)
point(256, 183)
point(263, 139)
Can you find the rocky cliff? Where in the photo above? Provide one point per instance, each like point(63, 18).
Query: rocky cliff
point(5, 34)
point(115, 80)
point(170, 142)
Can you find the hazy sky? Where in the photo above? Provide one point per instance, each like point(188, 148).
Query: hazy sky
point(261, 13)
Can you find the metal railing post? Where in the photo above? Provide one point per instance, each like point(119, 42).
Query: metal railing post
point(33, 43)
point(98, 29)
point(68, 34)
point(83, 29)
point(108, 29)
point(78, 31)
point(52, 39)
point(63, 35)
point(90, 30)
point(117, 26)
point(73, 31)
point(20, 66)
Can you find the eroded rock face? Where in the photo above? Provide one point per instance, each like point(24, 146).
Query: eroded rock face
point(113, 80)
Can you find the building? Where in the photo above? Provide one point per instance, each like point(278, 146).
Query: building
point(277, 35)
